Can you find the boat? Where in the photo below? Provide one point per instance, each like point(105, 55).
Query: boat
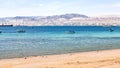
point(111, 30)
point(0, 31)
point(70, 32)
point(21, 31)
point(6, 25)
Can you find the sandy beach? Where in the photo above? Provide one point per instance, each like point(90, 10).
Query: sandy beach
point(94, 59)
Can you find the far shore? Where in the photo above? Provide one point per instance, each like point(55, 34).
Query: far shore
point(94, 59)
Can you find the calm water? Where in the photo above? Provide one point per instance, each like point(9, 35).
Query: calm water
point(47, 40)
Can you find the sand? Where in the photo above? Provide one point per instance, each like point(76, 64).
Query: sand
point(94, 59)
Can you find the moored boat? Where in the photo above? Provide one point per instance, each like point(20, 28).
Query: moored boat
point(70, 32)
point(21, 31)
point(111, 30)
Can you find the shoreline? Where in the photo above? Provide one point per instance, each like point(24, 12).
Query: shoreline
point(92, 59)
point(59, 54)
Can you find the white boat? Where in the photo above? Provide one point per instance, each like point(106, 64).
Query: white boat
point(21, 31)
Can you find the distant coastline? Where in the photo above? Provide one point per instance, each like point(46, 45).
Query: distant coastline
point(61, 20)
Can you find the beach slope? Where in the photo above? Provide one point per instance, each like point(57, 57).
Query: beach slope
point(95, 59)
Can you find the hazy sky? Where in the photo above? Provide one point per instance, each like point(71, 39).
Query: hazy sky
point(56, 7)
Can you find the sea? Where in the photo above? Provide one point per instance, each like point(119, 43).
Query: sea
point(51, 40)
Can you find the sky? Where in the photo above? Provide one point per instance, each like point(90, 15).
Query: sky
point(10, 8)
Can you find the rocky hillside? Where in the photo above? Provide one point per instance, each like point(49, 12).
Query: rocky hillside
point(60, 20)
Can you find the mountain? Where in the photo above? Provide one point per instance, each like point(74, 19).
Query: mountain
point(60, 20)
point(67, 16)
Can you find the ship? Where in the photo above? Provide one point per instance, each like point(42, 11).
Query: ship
point(6, 25)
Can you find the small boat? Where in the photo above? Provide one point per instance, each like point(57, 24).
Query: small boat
point(70, 32)
point(0, 31)
point(111, 30)
point(21, 31)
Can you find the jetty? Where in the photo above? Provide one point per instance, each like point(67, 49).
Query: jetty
point(6, 25)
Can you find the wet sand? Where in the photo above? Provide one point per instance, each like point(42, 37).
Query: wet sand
point(94, 59)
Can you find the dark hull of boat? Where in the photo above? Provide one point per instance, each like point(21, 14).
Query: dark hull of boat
point(6, 25)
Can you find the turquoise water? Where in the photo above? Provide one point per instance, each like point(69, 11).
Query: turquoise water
point(47, 40)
